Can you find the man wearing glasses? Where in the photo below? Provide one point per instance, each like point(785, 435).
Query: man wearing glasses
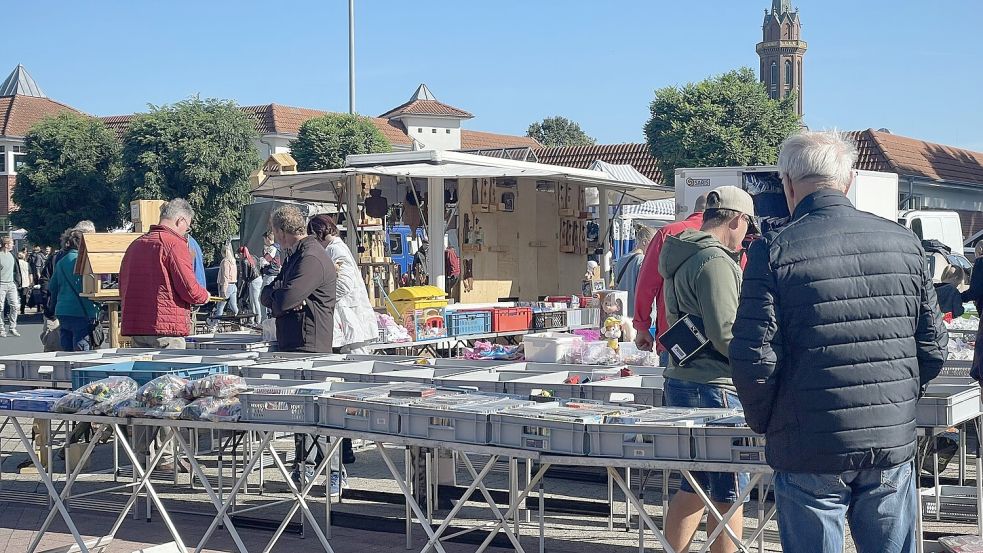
point(702, 275)
point(157, 282)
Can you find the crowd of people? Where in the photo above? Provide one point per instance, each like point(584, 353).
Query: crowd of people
point(825, 331)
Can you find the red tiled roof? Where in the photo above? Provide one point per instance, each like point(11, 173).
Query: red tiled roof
point(478, 140)
point(426, 107)
point(909, 157)
point(19, 113)
point(581, 157)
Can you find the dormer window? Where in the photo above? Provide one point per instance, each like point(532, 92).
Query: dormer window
point(419, 130)
point(433, 131)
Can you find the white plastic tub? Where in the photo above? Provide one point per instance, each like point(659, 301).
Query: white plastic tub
point(549, 347)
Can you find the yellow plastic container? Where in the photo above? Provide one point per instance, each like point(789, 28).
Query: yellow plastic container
point(415, 297)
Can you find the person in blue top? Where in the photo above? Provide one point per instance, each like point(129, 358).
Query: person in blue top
point(75, 314)
point(199, 258)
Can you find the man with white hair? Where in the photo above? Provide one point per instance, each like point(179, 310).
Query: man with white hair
point(837, 334)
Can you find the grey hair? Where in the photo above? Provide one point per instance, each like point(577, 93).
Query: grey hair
point(825, 158)
point(644, 234)
point(85, 226)
point(178, 207)
point(289, 219)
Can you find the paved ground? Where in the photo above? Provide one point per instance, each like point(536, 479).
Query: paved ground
point(29, 341)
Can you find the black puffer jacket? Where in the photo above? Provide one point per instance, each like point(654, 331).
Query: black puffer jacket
point(837, 332)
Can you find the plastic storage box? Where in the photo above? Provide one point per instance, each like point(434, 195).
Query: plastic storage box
point(487, 381)
point(549, 347)
point(289, 404)
point(246, 343)
point(554, 382)
point(462, 418)
point(475, 363)
point(412, 298)
point(421, 375)
point(511, 319)
point(44, 366)
point(357, 371)
point(641, 390)
point(369, 410)
point(462, 323)
point(640, 441)
point(425, 324)
point(728, 445)
point(545, 320)
point(549, 427)
point(586, 317)
point(943, 406)
point(30, 400)
point(144, 371)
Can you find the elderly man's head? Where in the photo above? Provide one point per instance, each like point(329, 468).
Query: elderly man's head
point(289, 225)
point(177, 215)
point(813, 161)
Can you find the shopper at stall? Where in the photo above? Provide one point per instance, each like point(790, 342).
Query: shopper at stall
point(36, 260)
point(252, 282)
point(228, 278)
point(269, 266)
point(75, 314)
point(302, 297)
point(703, 279)
point(25, 280)
point(837, 334)
point(947, 291)
point(649, 289)
point(355, 322)
point(627, 269)
point(975, 294)
point(157, 282)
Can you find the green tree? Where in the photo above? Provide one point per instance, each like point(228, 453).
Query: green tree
point(324, 142)
point(721, 121)
point(200, 150)
point(71, 172)
point(559, 131)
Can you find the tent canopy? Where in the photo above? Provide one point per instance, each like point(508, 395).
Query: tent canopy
point(320, 186)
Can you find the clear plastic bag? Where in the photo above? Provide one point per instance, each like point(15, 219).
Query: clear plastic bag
point(162, 390)
point(110, 388)
point(73, 402)
point(217, 386)
point(170, 409)
point(129, 407)
point(213, 409)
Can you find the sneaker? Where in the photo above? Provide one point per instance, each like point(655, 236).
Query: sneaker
point(13, 332)
point(339, 481)
point(3, 333)
point(308, 472)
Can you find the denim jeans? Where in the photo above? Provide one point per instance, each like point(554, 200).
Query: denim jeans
point(878, 504)
point(231, 302)
point(722, 487)
point(9, 305)
point(255, 291)
point(74, 333)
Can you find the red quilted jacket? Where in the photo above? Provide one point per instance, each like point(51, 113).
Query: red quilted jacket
point(157, 285)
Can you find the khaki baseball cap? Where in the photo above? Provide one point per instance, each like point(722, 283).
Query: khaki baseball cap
point(734, 199)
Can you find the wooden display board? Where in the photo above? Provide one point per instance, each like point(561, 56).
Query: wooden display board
point(144, 213)
point(517, 253)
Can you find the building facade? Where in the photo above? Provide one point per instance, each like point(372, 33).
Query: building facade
point(781, 52)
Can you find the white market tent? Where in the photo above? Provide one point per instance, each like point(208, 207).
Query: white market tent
point(436, 167)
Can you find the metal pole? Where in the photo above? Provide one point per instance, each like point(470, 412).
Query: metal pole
point(351, 56)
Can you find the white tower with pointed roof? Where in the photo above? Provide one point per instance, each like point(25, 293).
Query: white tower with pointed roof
point(432, 124)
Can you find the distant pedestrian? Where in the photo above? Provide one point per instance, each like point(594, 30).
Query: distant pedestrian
point(10, 284)
point(252, 282)
point(75, 314)
point(25, 280)
point(227, 288)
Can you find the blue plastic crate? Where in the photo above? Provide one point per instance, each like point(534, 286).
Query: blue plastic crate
point(462, 323)
point(145, 371)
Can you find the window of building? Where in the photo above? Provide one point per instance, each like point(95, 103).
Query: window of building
point(788, 73)
point(774, 76)
point(3, 159)
point(433, 131)
point(419, 129)
point(447, 131)
point(19, 152)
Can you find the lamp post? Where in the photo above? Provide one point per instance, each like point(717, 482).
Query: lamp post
point(351, 56)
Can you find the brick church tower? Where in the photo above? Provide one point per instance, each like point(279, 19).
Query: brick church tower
point(781, 51)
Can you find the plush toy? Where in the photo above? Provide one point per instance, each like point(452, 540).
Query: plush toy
point(612, 331)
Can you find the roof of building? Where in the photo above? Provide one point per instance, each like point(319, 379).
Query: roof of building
point(19, 113)
point(478, 140)
point(910, 157)
point(423, 102)
point(637, 155)
point(20, 83)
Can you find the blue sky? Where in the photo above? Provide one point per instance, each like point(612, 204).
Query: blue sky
point(911, 66)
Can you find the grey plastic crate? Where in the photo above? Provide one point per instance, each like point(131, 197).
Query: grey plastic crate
point(367, 410)
point(489, 380)
point(355, 370)
point(956, 502)
point(553, 382)
point(271, 356)
point(384, 358)
point(943, 406)
point(728, 445)
point(422, 375)
point(279, 405)
point(462, 418)
point(559, 367)
point(630, 441)
point(549, 427)
point(249, 343)
point(956, 368)
point(640, 390)
point(55, 366)
point(475, 363)
point(290, 370)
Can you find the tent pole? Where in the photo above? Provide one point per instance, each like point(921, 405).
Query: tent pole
point(436, 230)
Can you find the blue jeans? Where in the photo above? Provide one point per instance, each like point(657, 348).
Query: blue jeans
point(879, 505)
point(73, 333)
point(722, 487)
point(231, 301)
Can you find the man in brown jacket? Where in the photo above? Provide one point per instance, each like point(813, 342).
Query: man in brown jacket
point(302, 296)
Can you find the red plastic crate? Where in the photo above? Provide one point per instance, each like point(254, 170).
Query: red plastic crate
point(510, 319)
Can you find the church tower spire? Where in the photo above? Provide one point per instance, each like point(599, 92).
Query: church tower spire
point(781, 51)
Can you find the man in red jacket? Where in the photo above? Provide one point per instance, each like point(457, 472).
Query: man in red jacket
point(157, 282)
point(649, 286)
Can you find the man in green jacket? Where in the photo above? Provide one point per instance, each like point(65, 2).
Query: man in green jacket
point(703, 279)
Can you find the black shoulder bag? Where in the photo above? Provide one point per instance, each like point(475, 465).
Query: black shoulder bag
point(97, 337)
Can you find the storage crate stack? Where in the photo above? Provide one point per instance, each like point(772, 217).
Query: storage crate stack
point(554, 427)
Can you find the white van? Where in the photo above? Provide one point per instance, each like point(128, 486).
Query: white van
point(943, 226)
